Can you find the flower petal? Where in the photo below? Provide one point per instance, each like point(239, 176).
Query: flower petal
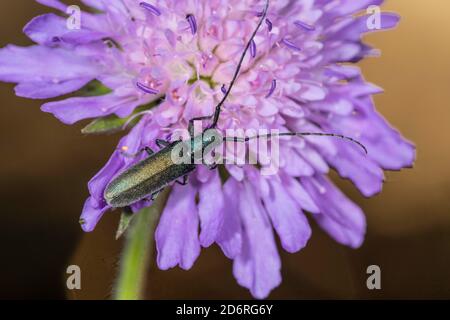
point(354, 30)
point(38, 63)
point(73, 110)
point(340, 217)
point(99, 5)
point(287, 218)
point(299, 194)
point(56, 4)
point(347, 7)
point(50, 29)
point(258, 266)
point(230, 234)
point(91, 214)
point(177, 233)
point(45, 90)
point(364, 172)
point(211, 202)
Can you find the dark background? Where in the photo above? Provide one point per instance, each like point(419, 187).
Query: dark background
point(45, 165)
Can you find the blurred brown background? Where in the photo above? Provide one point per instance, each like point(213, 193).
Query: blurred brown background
point(45, 165)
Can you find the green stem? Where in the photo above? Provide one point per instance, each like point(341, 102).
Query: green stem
point(137, 251)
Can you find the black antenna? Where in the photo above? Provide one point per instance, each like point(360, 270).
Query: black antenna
point(238, 69)
point(235, 76)
point(299, 134)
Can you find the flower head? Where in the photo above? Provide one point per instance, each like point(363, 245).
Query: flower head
point(166, 62)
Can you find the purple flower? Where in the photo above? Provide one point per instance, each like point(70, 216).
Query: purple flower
point(183, 54)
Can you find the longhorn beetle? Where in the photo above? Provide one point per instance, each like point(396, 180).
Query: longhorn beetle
point(153, 174)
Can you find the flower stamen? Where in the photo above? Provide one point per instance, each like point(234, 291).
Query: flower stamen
point(253, 49)
point(273, 87)
point(150, 8)
point(291, 45)
point(304, 26)
point(269, 24)
point(224, 89)
point(192, 23)
point(146, 89)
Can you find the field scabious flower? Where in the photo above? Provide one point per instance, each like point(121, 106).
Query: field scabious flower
point(178, 57)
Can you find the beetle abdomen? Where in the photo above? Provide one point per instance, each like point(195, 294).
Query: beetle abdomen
point(145, 178)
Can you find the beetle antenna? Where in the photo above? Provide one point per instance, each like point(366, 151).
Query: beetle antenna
point(238, 69)
point(298, 134)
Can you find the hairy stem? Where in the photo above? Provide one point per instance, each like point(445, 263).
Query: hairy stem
point(137, 251)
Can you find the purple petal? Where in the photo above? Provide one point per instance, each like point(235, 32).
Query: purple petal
point(386, 146)
point(268, 108)
point(99, 182)
point(99, 5)
point(287, 218)
point(91, 214)
point(340, 217)
point(171, 37)
point(299, 194)
point(258, 266)
point(343, 72)
point(177, 233)
point(347, 7)
point(211, 202)
point(49, 29)
point(367, 175)
point(56, 4)
point(230, 235)
point(354, 30)
point(19, 64)
point(73, 110)
point(42, 29)
point(45, 90)
point(295, 164)
point(236, 172)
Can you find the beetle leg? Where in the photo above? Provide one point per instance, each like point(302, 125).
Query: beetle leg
point(184, 182)
point(149, 151)
point(191, 123)
point(162, 143)
point(127, 210)
point(155, 195)
point(130, 155)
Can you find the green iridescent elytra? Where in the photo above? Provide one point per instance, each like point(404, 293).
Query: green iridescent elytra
point(148, 177)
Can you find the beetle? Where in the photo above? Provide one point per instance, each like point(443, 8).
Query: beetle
point(151, 175)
